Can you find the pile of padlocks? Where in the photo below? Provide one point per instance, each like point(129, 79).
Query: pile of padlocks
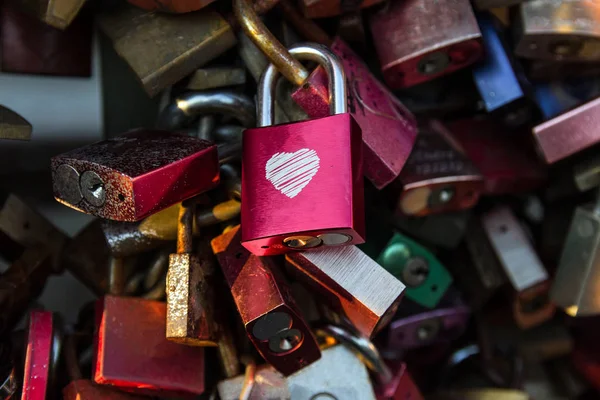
point(400, 203)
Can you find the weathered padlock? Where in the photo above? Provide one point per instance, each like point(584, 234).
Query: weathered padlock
point(557, 30)
point(42, 355)
point(425, 277)
point(134, 175)
point(264, 301)
point(388, 128)
point(186, 108)
point(58, 14)
point(84, 389)
point(567, 133)
point(344, 277)
point(285, 169)
point(418, 41)
point(13, 126)
point(499, 78)
point(131, 350)
point(437, 177)
point(30, 46)
point(393, 382)
point(575, 283)
point(412, 329)
point(139, 38)
point(506, 159)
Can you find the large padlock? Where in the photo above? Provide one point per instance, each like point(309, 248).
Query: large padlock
point(557, 30)
point(388, 128)
point(265, 303)
point(499, 78)
point(567, 133)
point(134, 175)
point(344, 278)
point(425, 277)
point(576, 281)
point(162, 49)
point(30, 46)
point(418, 41)
point(437, 177)
point(13, 126)
point(506, 159)
point(131, 350)
point(285, 169)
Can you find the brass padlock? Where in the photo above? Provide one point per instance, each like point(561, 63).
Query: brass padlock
point(161, 48)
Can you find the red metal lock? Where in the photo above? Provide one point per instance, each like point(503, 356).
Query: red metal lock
point(507, 161)
point(388, 129)
point(568, 133)
point(133, 354)
point(264, 300)
point(302, 182)
point(134, 175)
point(417, 40)
point(400, 387)
point(41, 355)
point(437, 177)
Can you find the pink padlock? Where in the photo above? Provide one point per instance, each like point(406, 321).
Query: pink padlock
point(302, 182)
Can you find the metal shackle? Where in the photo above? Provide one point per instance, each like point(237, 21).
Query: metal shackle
point(311, 52)
point(185, 108)
point(362, 346)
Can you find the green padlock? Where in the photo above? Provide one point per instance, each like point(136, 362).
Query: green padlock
point(425, 277)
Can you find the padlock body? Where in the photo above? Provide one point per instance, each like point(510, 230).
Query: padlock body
point(302, 179)
point(417, 41)
point(83, 389)
point(560, 31)
point(266, 306)
point(132, 353)
point(576, 283)
point(401, 387)
point(437, 177)
point(388, 129)
point(38, 358)
point(140, 173)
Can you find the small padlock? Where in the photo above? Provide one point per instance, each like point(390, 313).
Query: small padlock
point(506, 159)
point(132, 353)
point(84, 389)
point(186, 108)
point(437, 177)
point(388, 128)
point(58, 14)
point(285, 169)
point(144, 40)
point(211, 78)
point(134, 175)
point(417, 41)
point(42, 355)
point(567, 133)
point(264, 300)
point(13, 126)
point(30, 46)
point(499, 78)
point(413, 330)
point(393, 382)
point(575, 283)
point(344, 277)
point(425, 277)
point(557, 30)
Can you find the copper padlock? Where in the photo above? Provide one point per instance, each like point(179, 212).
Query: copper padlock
point(162, 49)
point(134, 175)
point(344, 277)
point(418, 41)
point(264, 300)
point(437, 177)
point(557, 30)
point(285, 169)
point(388, 128)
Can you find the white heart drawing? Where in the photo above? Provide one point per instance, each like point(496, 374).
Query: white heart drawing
point(291, 172)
